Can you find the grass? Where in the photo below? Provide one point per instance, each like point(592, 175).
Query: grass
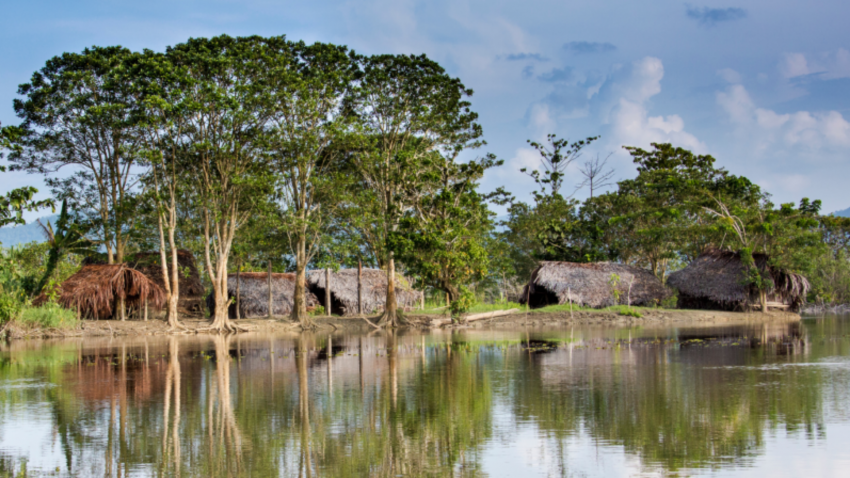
point(436, 308)
point(50, 316)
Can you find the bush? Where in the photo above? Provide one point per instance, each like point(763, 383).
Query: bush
point(50, 316)
point(629, 312)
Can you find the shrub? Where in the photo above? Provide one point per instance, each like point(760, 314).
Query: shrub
point(629, 312)
point(50, 316)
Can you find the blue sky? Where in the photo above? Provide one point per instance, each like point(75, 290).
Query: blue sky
point(764, 86)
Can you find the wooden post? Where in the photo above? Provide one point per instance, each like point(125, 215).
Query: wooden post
point(238, 290)
point(359, 287)
point(328, 291)
point(271, 303)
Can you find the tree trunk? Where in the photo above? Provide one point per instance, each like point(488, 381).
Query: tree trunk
point(271, 302)
point(174, 297)
point(299, 302)
point(238, 291)
point(390, 317)
point(763, 299)
point(327, 291)
point(359, 287)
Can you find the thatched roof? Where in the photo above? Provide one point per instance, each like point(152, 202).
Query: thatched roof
point(344, 290)
point(95, 288)
point(148, 263)
point(588, 285)
point(716, 280)
point(254, 295)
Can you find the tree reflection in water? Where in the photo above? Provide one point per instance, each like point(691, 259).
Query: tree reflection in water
point(413, 405)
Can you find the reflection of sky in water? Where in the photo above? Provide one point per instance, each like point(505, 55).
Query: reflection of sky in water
point(774, 404)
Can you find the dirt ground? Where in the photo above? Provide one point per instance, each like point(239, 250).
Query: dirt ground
point(91, 328)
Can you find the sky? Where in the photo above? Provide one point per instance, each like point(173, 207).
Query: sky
point(763, 86)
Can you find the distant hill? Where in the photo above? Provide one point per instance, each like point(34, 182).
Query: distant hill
point(15, 235)
point(844, 213)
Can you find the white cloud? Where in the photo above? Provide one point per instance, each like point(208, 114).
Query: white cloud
point(766, 128)
point(794, 64)
point(624, 106)
point(729, 75)
point(829, 65)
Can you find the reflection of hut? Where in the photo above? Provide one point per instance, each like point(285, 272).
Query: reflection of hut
point(148, 263)
point(591, 285)
point(715, 280)
point(254, 295)
point(374, 291)
point(94, 290)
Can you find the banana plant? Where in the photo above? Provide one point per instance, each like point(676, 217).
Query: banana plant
point(67, 238)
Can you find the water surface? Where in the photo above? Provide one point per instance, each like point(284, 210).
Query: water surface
point(724, 400)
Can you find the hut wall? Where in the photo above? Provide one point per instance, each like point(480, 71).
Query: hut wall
point(714, 281)
point(588, 284)
point(254, 295)
point(374, 282)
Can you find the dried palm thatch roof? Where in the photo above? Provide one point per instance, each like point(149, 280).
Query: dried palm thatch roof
point(95, 288)
point(148, 263)
point(254, 295)
point(715, 280)
point(590, 285)
point(374, 282)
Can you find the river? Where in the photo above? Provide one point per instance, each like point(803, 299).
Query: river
point(753, 399)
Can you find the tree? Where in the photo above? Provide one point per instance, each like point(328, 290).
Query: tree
point(15, 202)
point(308, 129)
point(596, 176)
point(79, 113)
point(163, 129)
point(409, 110)
point(442, 241)
point(554, 160)
point(660, 215)
point(227, 109)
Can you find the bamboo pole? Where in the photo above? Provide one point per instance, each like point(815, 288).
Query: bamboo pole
point(328, 291)
point(271, 304)
point(359, 287)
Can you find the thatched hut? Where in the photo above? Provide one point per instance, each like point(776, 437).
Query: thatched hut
point(254, 295)
point(191, 291)
point(94, 290)
point(591, 285)
point(715, 281)
point(374, 291)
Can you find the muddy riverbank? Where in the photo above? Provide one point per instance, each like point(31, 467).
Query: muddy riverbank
point(101, 328)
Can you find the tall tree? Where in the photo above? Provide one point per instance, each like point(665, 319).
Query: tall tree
point(409, 108)
point(225, 82)
point(164, 129)
point(443, 239)
point(78, 114)
point(661, 212)
point(307, 133)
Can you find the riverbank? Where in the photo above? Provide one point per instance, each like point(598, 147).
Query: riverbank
point(648, 316)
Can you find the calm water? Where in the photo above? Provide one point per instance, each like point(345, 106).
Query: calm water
point(720, 400)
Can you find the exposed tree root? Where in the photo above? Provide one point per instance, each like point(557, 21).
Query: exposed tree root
point(385, 320)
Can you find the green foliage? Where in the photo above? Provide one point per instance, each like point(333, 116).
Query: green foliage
point(464, 301)
point(630, 312)
point(614, 285)
point(48, 316)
